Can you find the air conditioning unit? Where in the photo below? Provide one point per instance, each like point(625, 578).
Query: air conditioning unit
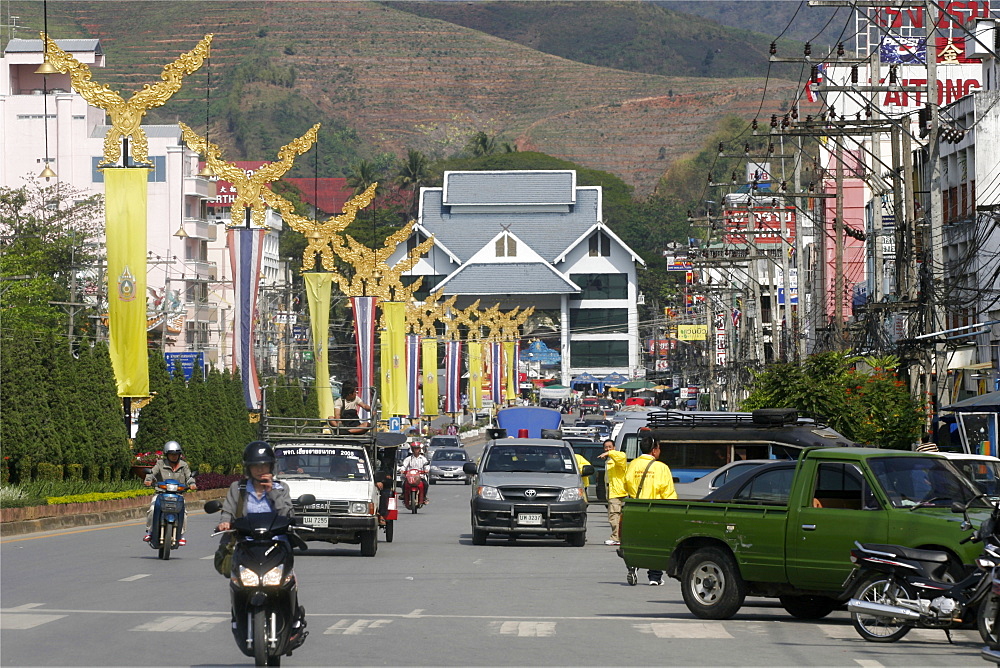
point(982, 40)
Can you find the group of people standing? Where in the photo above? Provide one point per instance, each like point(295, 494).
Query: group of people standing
point(645, 477)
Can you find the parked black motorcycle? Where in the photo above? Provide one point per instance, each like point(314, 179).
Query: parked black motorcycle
point(903, 588)
point(267, 620)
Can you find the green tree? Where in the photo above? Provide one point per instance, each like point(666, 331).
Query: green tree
point(481, 144)
point(413, 173)
point(108, 440)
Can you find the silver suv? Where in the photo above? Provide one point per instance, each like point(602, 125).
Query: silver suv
point(529, 487)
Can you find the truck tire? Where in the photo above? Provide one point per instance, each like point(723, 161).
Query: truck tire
point(711, 584)
point(577, 539)
point(878, 629)
point(808, 607)
point(479, 536)
point(369, 543)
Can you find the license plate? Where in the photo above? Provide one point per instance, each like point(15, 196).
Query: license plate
point(449, 475)
point(529, 518)
point(316, 521)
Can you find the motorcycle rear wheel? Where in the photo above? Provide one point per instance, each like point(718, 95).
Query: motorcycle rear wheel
point(986, 617)
point(880, 629)
point(388, 530)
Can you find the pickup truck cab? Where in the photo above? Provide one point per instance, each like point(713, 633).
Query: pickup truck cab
point(339, 474)
point(786, 529)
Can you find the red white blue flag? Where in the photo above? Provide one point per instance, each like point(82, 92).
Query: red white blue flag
point(413, 374)
point(820, 75)
point(496, 373)
point(364, 335)
point(246, 250)
point(452, 375)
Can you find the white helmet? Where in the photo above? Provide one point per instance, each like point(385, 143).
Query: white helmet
point(172, 446)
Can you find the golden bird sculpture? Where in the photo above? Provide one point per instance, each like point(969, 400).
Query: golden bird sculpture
point(126, 116)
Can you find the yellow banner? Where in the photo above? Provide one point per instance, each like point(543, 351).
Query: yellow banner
point(125, 221)
point(395, 402)
point(692, 332)
point(475, 392)
point(508, 365)
point(429, 362)
point(385, 364)
point(318, 289)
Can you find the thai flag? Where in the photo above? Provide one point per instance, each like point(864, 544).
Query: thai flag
point(737, 316)
point(496, 373)
point(820, 76)
point(364, 336)
point(452, 374)
point(903, 51)
point(246, 249)
point(413, 374)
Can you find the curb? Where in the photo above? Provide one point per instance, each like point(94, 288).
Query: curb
point(21, 527)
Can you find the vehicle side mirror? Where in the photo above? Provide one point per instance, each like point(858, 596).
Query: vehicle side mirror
point(306, 499)
point(470, 468)
point(213, 507)
point(957, 507)
point(587, 470)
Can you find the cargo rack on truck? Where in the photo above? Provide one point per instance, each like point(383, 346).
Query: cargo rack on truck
point(764, 417)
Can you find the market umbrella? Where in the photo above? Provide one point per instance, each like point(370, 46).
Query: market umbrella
point(984, 403)
point(637, 385)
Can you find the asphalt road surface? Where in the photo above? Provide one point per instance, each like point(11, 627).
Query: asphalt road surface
point(97, 596)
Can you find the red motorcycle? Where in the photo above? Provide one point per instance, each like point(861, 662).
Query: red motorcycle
point(414, 489)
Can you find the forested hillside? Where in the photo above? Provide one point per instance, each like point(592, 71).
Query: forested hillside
point(382, 81)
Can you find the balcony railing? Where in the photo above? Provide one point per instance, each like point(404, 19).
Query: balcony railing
point(199, 186)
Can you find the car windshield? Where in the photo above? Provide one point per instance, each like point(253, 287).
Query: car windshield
point(331, 463)
point(442, 441)
point(920, 481)
point(529, 459)
point(983, 473)
point(450, 456)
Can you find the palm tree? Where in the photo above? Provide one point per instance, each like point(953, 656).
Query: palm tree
point(362, 176)
point(412, 174)
point(481, 144)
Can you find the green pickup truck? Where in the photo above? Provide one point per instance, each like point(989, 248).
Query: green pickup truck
point(786, 529)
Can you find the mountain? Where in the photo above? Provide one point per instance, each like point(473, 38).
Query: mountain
point(383, 79)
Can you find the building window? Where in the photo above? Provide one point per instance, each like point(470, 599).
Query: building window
point(196, 333)
point(598, 320)
point(157, 174)
point(506, 246)
point(602, 286)
point(600, 244)
point(589, 354)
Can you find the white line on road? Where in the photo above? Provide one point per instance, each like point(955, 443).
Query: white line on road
point(868, 663)
point(684, 630)
point(524, 629)
point(358, 627)
point(133, 578)
point(26, 606)
point(20, 622)
point(416, 614)
point(211, 556)
point(179, 624)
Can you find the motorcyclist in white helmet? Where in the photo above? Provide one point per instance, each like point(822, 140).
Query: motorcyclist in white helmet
point(171, 467)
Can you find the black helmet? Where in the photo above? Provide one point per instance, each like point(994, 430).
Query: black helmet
point(258, 452)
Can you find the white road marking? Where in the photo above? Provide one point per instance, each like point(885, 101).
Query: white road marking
point(415, 614)
point(133, 578)
point(9, 622)
point(211, 556)
point(868, 663)
point(180, 624)
point(524, 629)
point(684, 630)
point(26, 606)
point(358, 627)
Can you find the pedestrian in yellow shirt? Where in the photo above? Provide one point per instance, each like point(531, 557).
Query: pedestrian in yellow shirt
point(614, 476)
point(648, 478)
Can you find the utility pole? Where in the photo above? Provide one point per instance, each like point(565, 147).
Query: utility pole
point(838, 260)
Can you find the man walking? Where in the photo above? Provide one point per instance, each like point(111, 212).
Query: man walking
point(648, 478)
point(614, 475)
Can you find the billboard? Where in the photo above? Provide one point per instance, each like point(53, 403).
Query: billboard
point(764, 227)
point(692, 332)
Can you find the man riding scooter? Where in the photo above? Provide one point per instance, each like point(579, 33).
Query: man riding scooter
point(415, 460)
point(170, 467)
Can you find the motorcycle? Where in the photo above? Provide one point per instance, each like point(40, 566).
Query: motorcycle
point(903, 588)
point(168, 517)
point(412, 480)
point(267, 620)
point(990, 614)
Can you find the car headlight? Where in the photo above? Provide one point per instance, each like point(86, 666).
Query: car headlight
point(273, 577)
point(248, 577)
point(361, 508)
point(571, 494)
point(489, 493)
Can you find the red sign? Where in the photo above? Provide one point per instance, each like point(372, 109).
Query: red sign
point(764, 228)
point(954, 14)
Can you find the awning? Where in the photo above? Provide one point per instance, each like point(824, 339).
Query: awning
point(984, 403)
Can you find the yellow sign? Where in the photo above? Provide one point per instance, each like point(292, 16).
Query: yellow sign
point(692, 332)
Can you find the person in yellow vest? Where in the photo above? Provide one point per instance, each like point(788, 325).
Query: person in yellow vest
point(648, 478)
point(581, 461)
point(614, 476)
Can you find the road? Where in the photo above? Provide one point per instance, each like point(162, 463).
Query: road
point(97, 596)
